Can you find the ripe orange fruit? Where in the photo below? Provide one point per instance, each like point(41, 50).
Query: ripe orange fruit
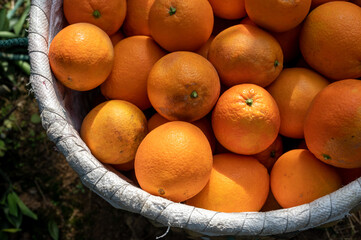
point(229, 9)
point(174, 161)
point(113, 131)
point(137, 18)
point(237, 184)
point(246, 119)
point(269, 156)
point(116, 37)
point(332, 126)
point(181, 24)
point(81, 56)
point(277, 16)
point(204, 124)
point(108, 15)
point(294, 90)
point(183, 86)
point(124, 166)
point(330, 41)
point(298, 178)
point(316, 3)
point(133, 60)
point(246, 54)
point(203, 51)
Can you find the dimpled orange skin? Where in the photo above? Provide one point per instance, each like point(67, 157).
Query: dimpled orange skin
point(137, 19)
point(332, 125)
point(113, 131)
point(294, 90)
point(133, 60)
point(237, 184)
point(246, 128)
point(298, 177)
point(277, 15)
point(81, 56)
point(110, 15)
point(183, 86)
point(181, 24)
point(339, 58)
point(228, 9)
point(174, 161)
point(246, 54)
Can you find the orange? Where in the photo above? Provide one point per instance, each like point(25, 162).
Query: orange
point(81, 56)
point(294, 90)
point(203, 51)
point(116, 37)
point(137, 17)
point(330, 41)
point(316, 3)
point(271, 203)
point(124, 166)
point(332, 126)
point(269, 156)
point(133, 60)
point(228, 9)
point(181, 24)
point(246, 54)
point(221, 24)
point(183, 86)
point(276, 15)
point(298, 178)
point(108, 15)
point(174, 161)
point(237, 184)
point(113, 131)
point(246, 119)
point(204, 124)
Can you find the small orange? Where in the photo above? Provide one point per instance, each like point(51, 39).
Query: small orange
point(332, 126)
point(316, 3)
point(133, 60)
point(204, 124)
point(183, 86)
point(228, 9)
point(203, 51)
point(298, 177)
point(330, 40)
point(277, 16)
point(181, 24)
point(116, 37)
point(124, 166)
point(108, 15)
point(113, 131)
point(246, 119)
point(137, 18)
point(271, 203)
point(294, 90)
point(174, 161)
point(81, 56)
point(237, 184)
point(269, 156)
point(246, 54)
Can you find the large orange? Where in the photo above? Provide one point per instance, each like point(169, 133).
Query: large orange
point(181, 24)
point(108, 15)
point(228, 9)
point(298, 177)
point(81, 56)
point(246, 119)
point(137, 18)
point(333, 127)
point(113, 131)
point(246, 54)
point(237, 184)
point(276, 15)
point(183, 86)
point(204, 124)
point(133, 60)
point(174, 161)
point(294, 90)
point(330, 40)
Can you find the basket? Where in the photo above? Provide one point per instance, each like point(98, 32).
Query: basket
point(62, 111)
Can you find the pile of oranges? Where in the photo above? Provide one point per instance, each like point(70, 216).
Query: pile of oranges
point(238, 105)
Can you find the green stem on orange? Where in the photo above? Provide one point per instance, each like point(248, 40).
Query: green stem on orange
point(194, 94)
point(249, 101)
point(326, 156)
point(172, 10)
point(96, 14)
point(276, 63)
